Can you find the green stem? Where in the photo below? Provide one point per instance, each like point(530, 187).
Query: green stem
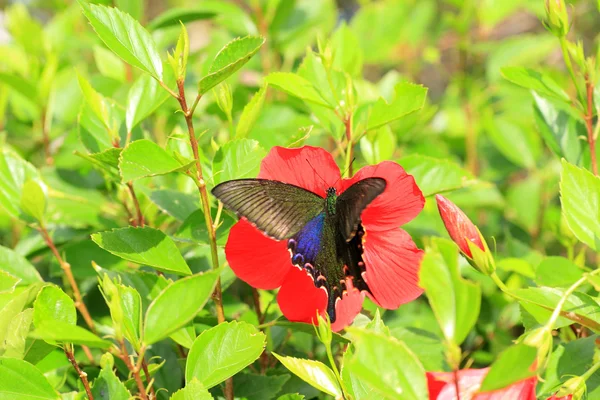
point(336, 372)
point(591, 371)
point(565, 296)
point(350, 145)
point(567, 58)
point(501, 284)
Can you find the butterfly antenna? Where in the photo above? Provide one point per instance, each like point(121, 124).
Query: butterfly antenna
point(315, 170)
point(346, 170)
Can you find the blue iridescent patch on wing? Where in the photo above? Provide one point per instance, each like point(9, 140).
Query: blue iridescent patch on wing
point(307, 242)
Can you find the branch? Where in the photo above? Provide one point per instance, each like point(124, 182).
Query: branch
point(140, 217)
point(124, 355)
point(82, 375)
point(66, 267)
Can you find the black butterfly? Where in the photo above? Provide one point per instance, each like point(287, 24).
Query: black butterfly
point(324, 234)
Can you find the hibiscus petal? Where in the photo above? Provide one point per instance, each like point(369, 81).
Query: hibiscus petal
point(255, 258)
point(522, 390)
point(299, 299)
point(401, 201)
point(348, 307)
point(392, 267)
point(469, 381)
point(311, 168)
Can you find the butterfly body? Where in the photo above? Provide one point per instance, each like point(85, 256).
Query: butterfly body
point(324, 235)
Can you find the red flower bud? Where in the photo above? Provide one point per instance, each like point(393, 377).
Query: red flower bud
point(459, 226)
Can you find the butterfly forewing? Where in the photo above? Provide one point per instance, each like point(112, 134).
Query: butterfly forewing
point(278, 209)
point(351, 203)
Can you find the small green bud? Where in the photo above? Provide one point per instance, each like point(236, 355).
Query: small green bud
point(557, 20)
point(324, 330)
point(178, 60)
point(574, 386)
point(483, 260)
point(541, 339)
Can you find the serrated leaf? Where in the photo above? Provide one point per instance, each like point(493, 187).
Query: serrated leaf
point(580, 201)
point(295, 85)
point(407, 99)
point(314, 373)
point(107, 385)
point(18, 266)
point(194, 390)
point(14, 173)
point(188, 294)
point(258, 387)
point(143, 98)
point(52, 305)
point(513, 365)
point(145, 246)
point(557, 271)
point(434, 175)
point(223, 351)
point(58, 331)
point(454, 300)
point(237, 159)
point(250, 114)
point(230, 59)
point(125, 37)
point(534, 80)
point(33, 200)
point(26, 382)
point(144, 158)
point(14, 343)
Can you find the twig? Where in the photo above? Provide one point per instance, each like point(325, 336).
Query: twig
point(350, 144)
point(589, 116)
point(66, 267)
point(456, 385)
point(124, 355)
point(82, 375)
point(217, 295)
point(46, 138)
point(149, 381)
point(140, 217)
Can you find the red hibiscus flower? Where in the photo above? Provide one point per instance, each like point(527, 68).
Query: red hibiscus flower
point(442, 386)
point(391, 259)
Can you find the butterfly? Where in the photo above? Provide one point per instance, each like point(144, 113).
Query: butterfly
point(324, 235)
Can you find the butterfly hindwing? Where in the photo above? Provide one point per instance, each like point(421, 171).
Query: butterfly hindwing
point(351, 203)
point(278, 209)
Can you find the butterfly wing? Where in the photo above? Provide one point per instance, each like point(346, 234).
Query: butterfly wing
point(278, 209)
point(351, 203)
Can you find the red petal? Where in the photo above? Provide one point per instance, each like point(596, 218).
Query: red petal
point(348, 307)
point(255, 258)
point(469, 381)
point(459, 226)
point(312, 168)
point(401, 201)
point(299, 299)
point(436, 382)
point(392, 263)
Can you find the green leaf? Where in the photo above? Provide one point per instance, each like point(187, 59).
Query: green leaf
point(534, 80)
point(297, 86)
point(109, 64)
point(560, 130)
point(314, 373)
point(250, 114)
point(18, 266)
point(513, 365)
point(173, 16)
point(378, 145)
point(408, 98)
point(258, 387)
point(387, 365)
point(194, 390)
point(17, 301)
point(125, 37)
point(348, 56)
point(185, 336)
point(21, 86)
point(580, 200)
point(514, 142)
point(454, 300)
point(177, 305)
point(62, 332)
point(434, 175)
point(125, 305)
point(230, 59)
point(107, 386)
point(357, 388)
point(33, 200)
point(22, 381)
point(177, 204)
point(53, 305)
point(223, 351)
point(144, 246)
point(14, 173)
point(237, 159)
point(7, 282)
point(144, 97)
point(14, 343)
point(101, 107)
point(135, 8)
point(557, 271)
point(145, 158)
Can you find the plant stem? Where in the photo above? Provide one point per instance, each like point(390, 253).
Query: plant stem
point(567, 58)
point(82, 375)
point(561, 303)
point(66, 267)
point(212, 236)
point(591, 371)
point(256, 299)
point(124, 355)
point(149, 381)
point(336, 372)
point(499, 283)
point(140, 217)
point(589, 116)
point(46, 138)
point(456, 384)
point(350, 144)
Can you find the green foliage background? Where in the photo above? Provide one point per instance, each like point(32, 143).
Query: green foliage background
point(476, 99)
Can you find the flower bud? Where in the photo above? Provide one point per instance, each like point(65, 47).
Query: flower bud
point(541, 339)
point(466, 235)
point(557, 20)
point(574, 387)
point(324, 330)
